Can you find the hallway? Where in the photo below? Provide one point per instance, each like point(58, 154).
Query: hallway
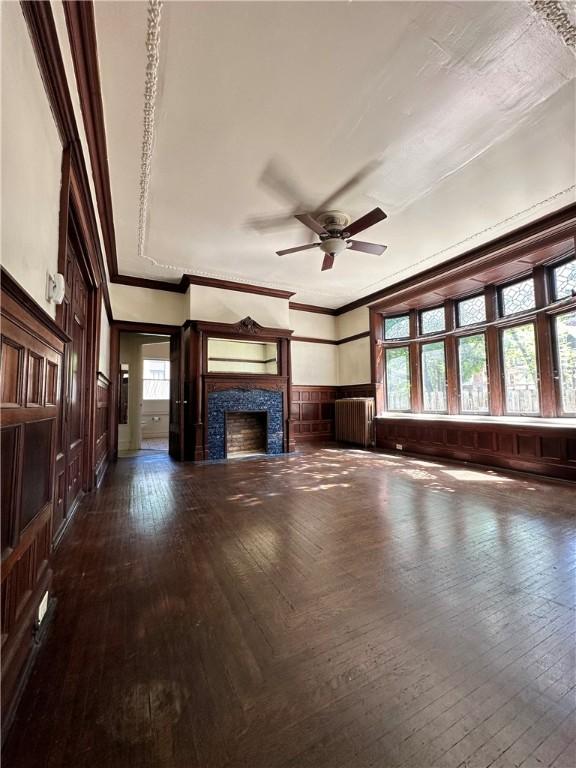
point(328, 609)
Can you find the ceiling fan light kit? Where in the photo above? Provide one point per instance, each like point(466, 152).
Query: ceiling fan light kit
point(335, 229)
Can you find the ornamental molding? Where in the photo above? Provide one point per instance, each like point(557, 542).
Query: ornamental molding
point(556, 16)
point(149, 124)
point(222, 386)
point(248, 326)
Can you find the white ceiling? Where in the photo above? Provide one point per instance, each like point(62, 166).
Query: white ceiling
point(470, 106)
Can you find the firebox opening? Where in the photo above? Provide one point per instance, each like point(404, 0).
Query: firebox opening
point(246, 433)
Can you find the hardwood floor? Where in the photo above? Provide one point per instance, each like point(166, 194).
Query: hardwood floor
point(333, 609)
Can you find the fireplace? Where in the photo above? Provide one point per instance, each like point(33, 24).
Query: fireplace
point(246, 433)
point(225, 406)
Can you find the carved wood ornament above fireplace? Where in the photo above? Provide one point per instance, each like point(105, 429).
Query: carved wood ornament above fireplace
point(200, 381)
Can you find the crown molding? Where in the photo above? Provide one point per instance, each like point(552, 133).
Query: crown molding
point(312, 308)
point(208, 282)
point(42, 29)
point(81, 27)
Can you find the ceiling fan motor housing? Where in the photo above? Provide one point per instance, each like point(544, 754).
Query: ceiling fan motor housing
point(333, 221)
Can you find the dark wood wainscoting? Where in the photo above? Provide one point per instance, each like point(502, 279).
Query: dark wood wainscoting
point(102, 452)
point(312, 412)
point(356, 390)
point(32, 350)
point(544, 450)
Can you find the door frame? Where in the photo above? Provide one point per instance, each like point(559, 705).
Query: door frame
point(116, 328)
point(73, 227)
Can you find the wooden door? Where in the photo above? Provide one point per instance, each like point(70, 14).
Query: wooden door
point(176, 433)
point(70, 470)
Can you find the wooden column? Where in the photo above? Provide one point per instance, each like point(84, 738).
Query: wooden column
point(377, 359)
point(495, 373)
point(415, 378)
point(451, 357)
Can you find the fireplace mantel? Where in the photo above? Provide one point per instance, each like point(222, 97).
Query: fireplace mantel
point(199, 384)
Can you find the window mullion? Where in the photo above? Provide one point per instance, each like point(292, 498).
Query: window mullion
point(495, 376)
point(545, 363)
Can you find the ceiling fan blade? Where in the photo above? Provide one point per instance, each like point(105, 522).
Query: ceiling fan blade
point(374, 248)
point(328, 262)
point(265, 224)
point(311, 223)
point(352, 182)
point(278, 180)
point(298, 248)
point(368, 220)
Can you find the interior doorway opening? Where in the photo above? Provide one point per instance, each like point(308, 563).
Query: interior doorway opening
point(143, 394)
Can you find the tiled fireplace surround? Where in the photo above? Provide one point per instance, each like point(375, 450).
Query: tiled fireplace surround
point(243, 400)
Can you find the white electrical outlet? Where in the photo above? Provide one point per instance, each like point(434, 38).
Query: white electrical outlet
point(399, 446)
point(43, 607)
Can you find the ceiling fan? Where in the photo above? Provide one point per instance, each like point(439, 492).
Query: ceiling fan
point(335, 230)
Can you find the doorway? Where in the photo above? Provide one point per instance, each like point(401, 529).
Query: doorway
point(147, 372)
point(144, 395)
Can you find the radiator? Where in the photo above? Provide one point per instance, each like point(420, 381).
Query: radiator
point(354, 418)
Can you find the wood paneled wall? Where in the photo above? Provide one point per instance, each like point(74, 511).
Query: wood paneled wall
point(312, 412)
point(32, 349)
point(312, 408)
point(544, 450)
point(102, 431)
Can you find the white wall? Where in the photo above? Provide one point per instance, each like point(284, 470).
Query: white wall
point(313, 324)
point(31, 164)
point(354, 356)
point(354, 362)
point(146, 305)
point(222, 306)
point(314, 364)
point(351, 323)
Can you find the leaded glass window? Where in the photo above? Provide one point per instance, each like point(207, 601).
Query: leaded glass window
point(471, 311)
point(518, 297)
point(398, 379)
point(434, 376)
point(565, 280)
point(432, 320)
point(520, 369)
point(565, 326)
point(397, 327)
point(473, 374)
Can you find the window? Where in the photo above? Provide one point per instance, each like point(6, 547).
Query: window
point(520, 369)
point(471, 311)
point(564, 280)
point(565, 328)
point(432, 320)
point(434, 376)
point(473, 374)
point(398, 379)
point(397, 327)
point(517, 297)
point(156, 380)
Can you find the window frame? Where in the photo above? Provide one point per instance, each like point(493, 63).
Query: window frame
point(457, 301)
point(144, 379)
point(556, 362)
point(551, 278)
point(420, 351)
point(458, 339)
point(506, 327)
point(500, 300)
point(395, 317)
point(540, 316)
point(420, 330)
point(392, 347)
